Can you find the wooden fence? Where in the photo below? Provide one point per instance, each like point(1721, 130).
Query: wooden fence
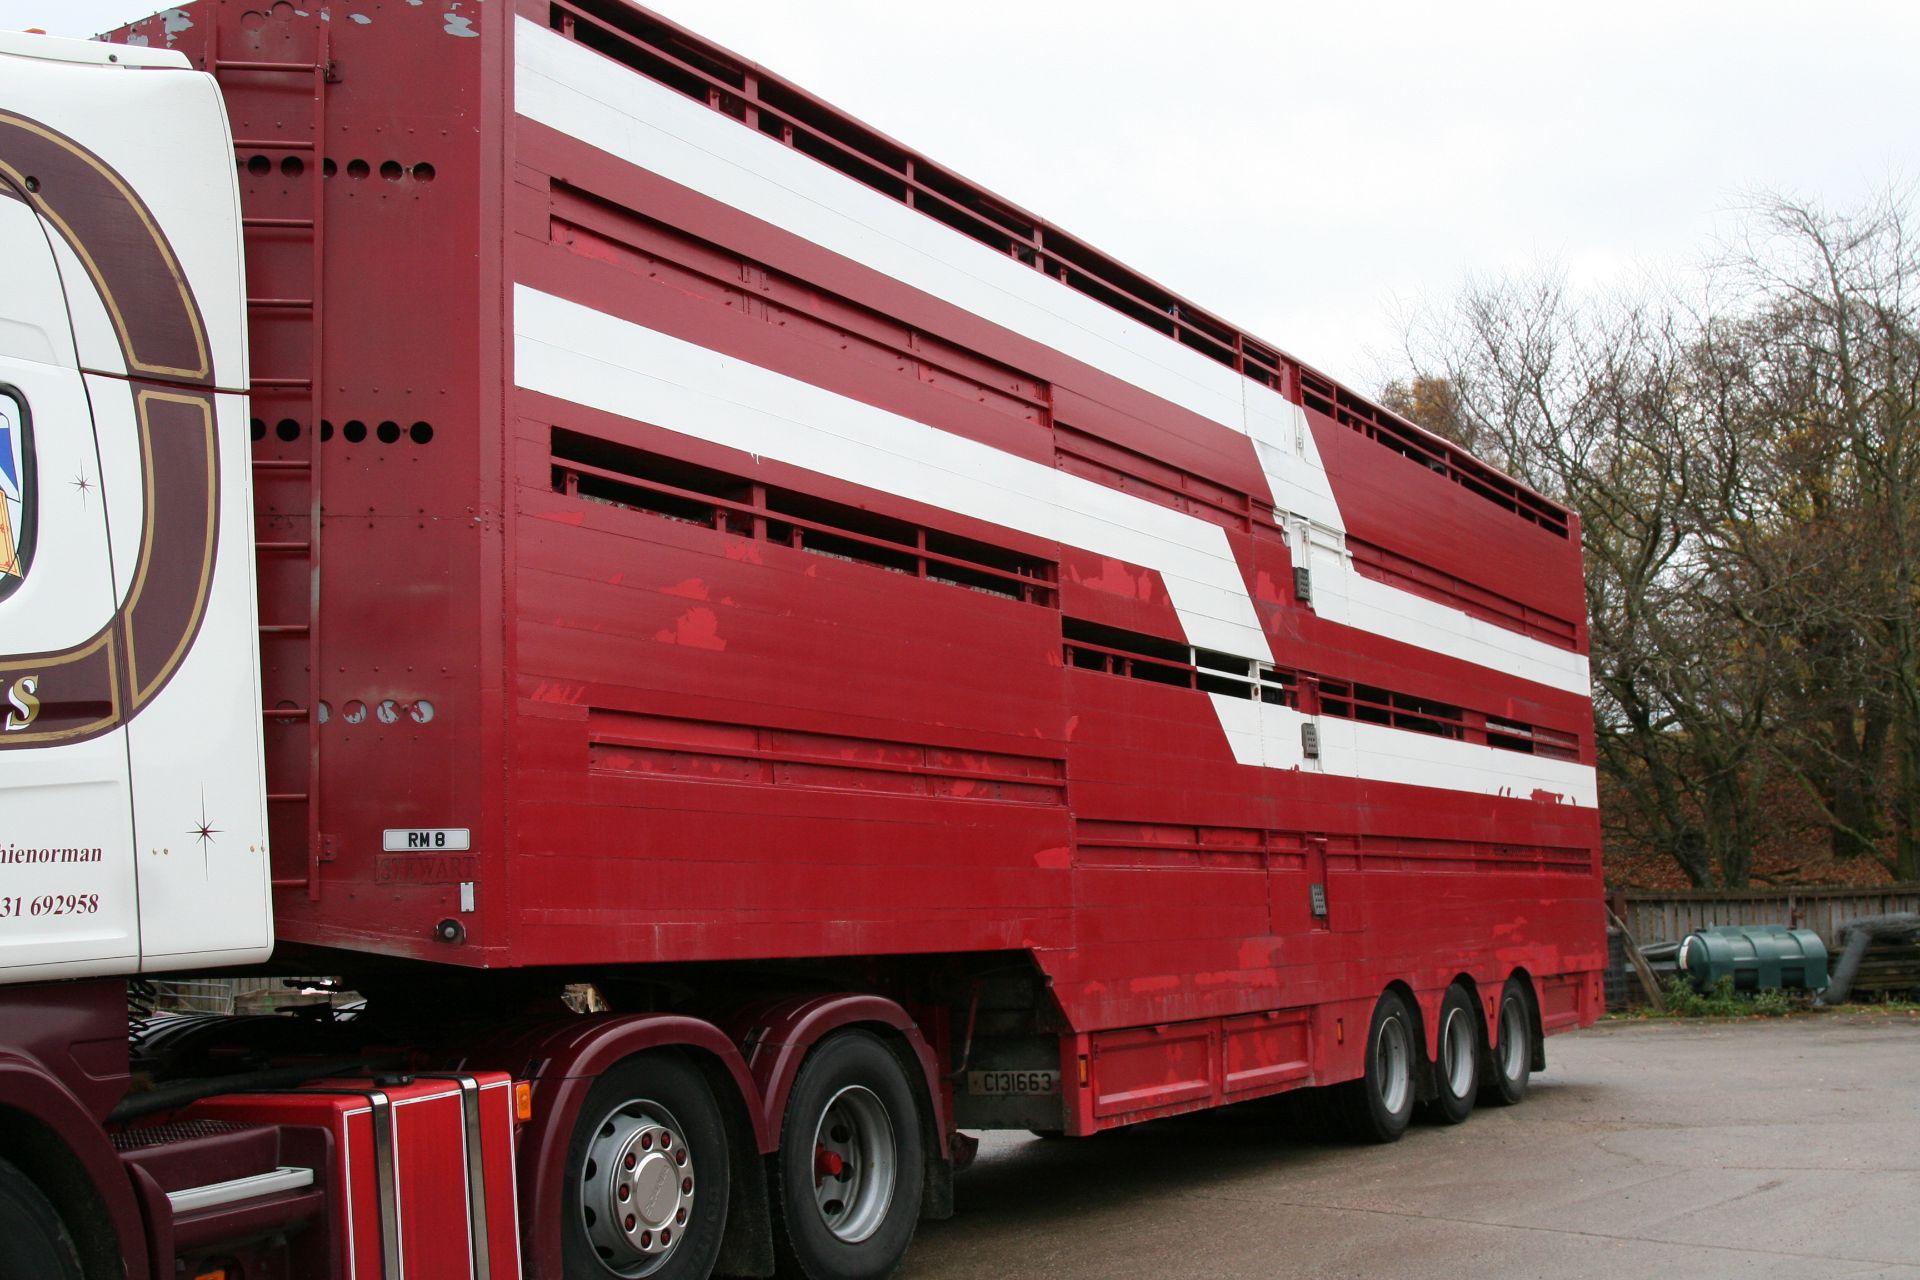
point(1669, 915)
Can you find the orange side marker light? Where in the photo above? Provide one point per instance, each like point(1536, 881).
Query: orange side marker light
point(523, 1100)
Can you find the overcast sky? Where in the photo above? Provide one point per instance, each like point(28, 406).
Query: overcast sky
point(1311, 171)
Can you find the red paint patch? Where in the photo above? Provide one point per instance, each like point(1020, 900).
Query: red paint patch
point(1053, 859)
point(696, 629)
point(1117, 577)
point(1548, 797)
point(742, 550)
point(565, 517)
point(690, 589)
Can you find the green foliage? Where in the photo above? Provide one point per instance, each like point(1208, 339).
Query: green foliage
point(1724, 1002)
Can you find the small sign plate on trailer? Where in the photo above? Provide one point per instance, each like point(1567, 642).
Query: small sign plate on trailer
point(1013, 1084)
point(426, 839)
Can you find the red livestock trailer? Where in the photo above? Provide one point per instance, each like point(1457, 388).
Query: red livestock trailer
point(917, 673)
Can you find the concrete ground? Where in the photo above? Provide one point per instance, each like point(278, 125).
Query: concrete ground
point(1686, 1151)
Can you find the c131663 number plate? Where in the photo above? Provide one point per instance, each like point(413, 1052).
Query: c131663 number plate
point(1020, 1084)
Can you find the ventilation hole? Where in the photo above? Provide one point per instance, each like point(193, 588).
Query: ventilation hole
point(259, 166)
point(421, 711)
point(422, 432)
point(388, 432)
point(326, 711)
point(287, 429)
point(354, 712)
point(358, 169)
point(328, 168)
point(392, 171)
point(259, 429)
point(424, 172)
point(326, 430)
point(354, 431)
point(293, 167)
point(387, 712)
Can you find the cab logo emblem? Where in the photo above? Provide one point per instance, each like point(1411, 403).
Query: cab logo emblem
point(18, 496)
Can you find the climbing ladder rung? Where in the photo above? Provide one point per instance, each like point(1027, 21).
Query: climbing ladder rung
point(305, 67)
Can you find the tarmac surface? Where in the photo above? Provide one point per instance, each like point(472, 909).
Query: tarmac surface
point(1787, 1149)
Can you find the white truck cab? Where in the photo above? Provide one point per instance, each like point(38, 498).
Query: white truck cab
point(132, 801)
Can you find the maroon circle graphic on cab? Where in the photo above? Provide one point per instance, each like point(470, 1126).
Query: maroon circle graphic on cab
point(98, 684)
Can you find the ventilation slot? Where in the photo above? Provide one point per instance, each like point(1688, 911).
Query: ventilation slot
point(614, 475)
point(1531, 739)
point(1089, 646)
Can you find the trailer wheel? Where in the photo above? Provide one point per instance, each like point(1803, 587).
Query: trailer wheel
point(1512, 1057)
point(852, 1163)
point(1379, 1106)
point(33, 1240)
point(1456, 1073)
point(646, 1187)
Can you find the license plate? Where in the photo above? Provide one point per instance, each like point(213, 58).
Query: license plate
point(426, 840)
point(1012, 1084)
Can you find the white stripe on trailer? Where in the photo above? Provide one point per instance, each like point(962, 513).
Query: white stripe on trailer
point(575, 353)
point(595, 100)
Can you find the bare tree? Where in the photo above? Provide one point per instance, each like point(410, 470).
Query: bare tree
point(1745, 458)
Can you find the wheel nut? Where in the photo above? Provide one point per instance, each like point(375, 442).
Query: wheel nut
point(646, 1238)
point(646, 1142)
point(630, 1224)
point(679, 1215)
point(666, 1140)
point(680, 1156)
point(625, 1191)
point(631, 1160)
point(666, 1235)
point(686, 1186)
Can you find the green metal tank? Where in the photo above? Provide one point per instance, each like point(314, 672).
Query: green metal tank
point(1756, 957)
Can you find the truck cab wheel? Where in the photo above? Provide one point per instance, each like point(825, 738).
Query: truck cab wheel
point(1456, 1069)
point(1379, 1106)
point(852, 1163)
point(646, 1188)
point(1511, 1060)
point(33, 1240)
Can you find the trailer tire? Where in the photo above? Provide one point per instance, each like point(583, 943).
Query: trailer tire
point(1510, 1059)
point(851, 1169)
point(1456, 1067)
point(33, 1239)
point(1378, 1106)
point(646, 1186)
